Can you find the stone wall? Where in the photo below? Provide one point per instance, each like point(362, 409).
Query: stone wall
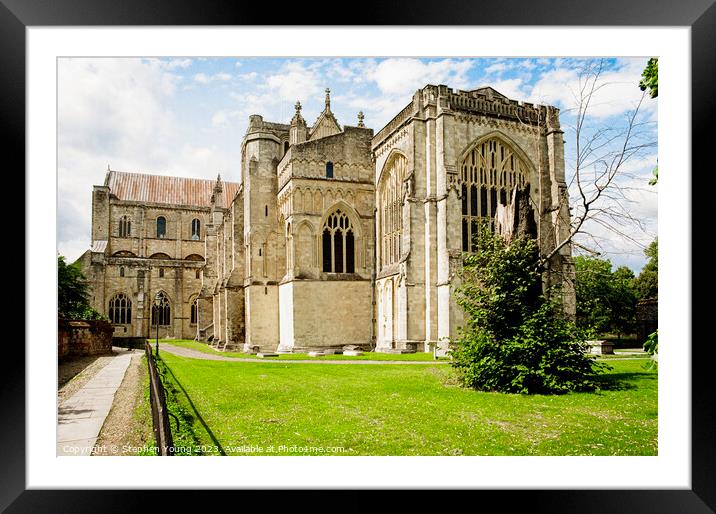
point(80, 337)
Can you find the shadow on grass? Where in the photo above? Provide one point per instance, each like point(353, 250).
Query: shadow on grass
point(196, 411)
point(623, 381)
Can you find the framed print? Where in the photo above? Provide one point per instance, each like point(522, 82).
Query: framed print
point(676, 476)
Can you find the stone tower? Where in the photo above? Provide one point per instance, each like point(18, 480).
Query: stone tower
point(264, 250)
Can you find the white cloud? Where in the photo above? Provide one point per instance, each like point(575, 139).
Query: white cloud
point(249, 76)
point(398, 76)
point(511, 88)
point(178, 63)
point(617, 90)
point(201, 78)
point(297, 82)
point(496, 68)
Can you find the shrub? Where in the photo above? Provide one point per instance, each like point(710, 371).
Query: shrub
point(515, 339)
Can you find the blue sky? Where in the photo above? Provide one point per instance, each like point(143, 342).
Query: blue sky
point(187, 117)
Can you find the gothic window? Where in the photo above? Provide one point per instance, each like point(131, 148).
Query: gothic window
point(161, 314)
point(161, 272)
point(338, 244)
point(329, 169)
point(161, 227)
point(198, 273)
point(121, 271)
point(195, 229)
point(194, 311)
point(390, 206)
point(125, 227)
point(488, 173)
point(120, 309)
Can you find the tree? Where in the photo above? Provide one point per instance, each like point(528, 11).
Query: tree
point(622, 302)
point(72, 292)
point(515, 338)
point(606, 300)
point(646, 284)
point(650, 77)
point(597, 196)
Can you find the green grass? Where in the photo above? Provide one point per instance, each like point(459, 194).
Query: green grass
point(205, 348)
point(406, 410)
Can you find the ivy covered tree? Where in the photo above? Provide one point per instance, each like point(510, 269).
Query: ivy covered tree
point(72, 293)
point(515, 339)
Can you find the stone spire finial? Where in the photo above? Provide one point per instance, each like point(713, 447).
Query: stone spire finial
point(361, 117)
point(108, 167)
point(218, 177)
point(328, 99)
point(298, 107)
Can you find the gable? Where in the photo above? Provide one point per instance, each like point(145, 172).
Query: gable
point(326, 125)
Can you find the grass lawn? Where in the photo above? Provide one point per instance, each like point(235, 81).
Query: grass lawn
point(205, 348)
point(406, 410)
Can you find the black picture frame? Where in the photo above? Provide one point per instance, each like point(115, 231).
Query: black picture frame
point(699, 15)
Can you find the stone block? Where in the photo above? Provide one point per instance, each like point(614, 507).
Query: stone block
point(601, 347)
point(352, 353)
point(262, 355)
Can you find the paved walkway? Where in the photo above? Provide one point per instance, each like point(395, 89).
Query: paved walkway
point(194, 354)
point(81, 416)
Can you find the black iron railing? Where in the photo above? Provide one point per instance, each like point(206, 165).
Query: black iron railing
point(158, 401)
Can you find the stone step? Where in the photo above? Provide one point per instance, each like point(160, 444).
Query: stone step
point(262, 355)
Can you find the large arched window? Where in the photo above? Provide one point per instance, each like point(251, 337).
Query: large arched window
point(329, 169)
point(120, 309)
point(161, 314)
point(338, 244)
point(488, 173)
point(390, 198)
point(161, 227)
point(195, 229)
point(125, 226)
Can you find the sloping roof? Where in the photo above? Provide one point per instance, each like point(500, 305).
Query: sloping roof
point(99, 246)
point(326, 125)
point(142, 187)
point(488, 91)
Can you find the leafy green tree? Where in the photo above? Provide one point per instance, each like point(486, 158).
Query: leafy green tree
point(72, 292)
point(515, 339)
point(606, 300)
point(592, 288)
point(650, 80)
point(622, 302)
point(647, 283)
point(650, 77)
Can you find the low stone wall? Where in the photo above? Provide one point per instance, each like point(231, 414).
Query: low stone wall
point(81, 337)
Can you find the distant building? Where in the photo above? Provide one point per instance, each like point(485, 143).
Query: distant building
point(334, 235)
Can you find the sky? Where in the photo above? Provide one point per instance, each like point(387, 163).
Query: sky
point(187, 117)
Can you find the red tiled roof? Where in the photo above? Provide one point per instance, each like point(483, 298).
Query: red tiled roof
point(142, 187)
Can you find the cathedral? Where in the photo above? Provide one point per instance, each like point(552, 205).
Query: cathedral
point(332, 235)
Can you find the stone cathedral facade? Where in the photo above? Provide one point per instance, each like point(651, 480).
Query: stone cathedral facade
point(334, 235)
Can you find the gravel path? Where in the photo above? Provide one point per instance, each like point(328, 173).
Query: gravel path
point(122, 433)
point(186, 352)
